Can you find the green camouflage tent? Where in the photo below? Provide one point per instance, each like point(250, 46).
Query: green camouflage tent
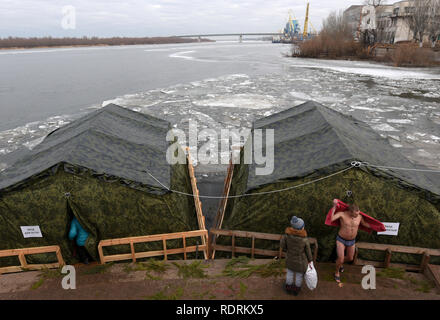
point(96, 169)
point(312, 142)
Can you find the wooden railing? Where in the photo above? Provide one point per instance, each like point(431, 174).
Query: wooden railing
point(133, 255)
point(389, 249)
point(197, 203)
point(224, 202)
point(252, 250)
point(21, 253)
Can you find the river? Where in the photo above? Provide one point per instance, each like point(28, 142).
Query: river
point(220, 85)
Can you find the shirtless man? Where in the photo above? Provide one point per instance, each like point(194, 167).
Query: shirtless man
point(346, 238)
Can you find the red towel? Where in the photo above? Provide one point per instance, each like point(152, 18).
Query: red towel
point(376, 225)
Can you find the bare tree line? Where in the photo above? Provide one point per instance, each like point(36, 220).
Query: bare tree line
point(336, 25)
point(15, 42)
point(336, 41)
point(425, 20)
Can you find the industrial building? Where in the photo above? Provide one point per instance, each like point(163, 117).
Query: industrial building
point(388, 22)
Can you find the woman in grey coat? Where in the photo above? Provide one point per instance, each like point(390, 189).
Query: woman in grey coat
point(299, 255)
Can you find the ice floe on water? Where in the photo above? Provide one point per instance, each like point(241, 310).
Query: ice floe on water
point(32, 134)
point(248, 101)
point(383, 127)
point(375, 70)
point(400, 121)
point(399, 104)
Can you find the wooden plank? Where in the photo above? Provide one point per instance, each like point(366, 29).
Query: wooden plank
point(165, 249)
point(210, 242)
point(280, 254)
point(315, 251)
point(184, 247)
point(60, 257)
point(247, 234)
point(261, 252)
point(219, 217)
point(25, 251)
point(425, 262)
point(117, 257)
point(253, 236)
point(149, 254)
point(169, 251)
point(154, 237)
point(22, 260)
point(21, 253)
point(355, 258)
point(30, 267)
point(387, 258)
point(398, 248)
point(43, 266)
point(10, 269)
point(133, 254)
point(101, 254)
point(433, 272)
point(257, 235)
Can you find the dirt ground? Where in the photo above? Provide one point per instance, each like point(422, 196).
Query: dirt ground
point(207, 282)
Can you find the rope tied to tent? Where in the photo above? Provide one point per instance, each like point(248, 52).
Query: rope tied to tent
point(353, 164)
point(367, 164)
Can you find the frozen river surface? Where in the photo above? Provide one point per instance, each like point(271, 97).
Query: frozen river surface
point(221, 85)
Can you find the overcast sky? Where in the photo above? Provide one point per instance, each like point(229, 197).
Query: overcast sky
point(157, 17)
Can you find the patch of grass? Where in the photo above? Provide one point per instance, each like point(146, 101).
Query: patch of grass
point(394, 273)
point(47, 274)
point(192, 270)
point(201, 295)
point(243, 289)
point(51, 273)
point(159, 267)
point(158, 296)
point(241, 260)
point(149, 276)
point(425, 286)
point(161, 295)
point(328, 277)
point(37, 284)
point(241, 268)
point(98, 269)
point(399, 273)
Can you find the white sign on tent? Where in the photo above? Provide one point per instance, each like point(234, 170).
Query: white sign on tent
point(392, 229)
point(31, 232)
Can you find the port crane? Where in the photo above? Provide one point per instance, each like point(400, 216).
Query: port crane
point(292, 31)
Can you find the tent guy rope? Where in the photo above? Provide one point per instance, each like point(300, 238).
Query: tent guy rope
point(354, 164)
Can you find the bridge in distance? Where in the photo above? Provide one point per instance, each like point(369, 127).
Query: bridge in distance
point(240, 35)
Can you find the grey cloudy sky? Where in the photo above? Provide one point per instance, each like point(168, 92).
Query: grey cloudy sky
point(157, 17)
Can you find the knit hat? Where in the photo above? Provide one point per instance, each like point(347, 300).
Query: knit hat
point(297, 223)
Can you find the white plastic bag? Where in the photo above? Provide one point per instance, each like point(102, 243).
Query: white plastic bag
point(311, 277)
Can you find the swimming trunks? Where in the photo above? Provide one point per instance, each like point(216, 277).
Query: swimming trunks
point(347, 243)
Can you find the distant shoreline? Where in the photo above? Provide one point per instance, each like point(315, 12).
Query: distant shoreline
point(40, 43)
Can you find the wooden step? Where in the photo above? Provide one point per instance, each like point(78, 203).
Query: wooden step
point(432, 271)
